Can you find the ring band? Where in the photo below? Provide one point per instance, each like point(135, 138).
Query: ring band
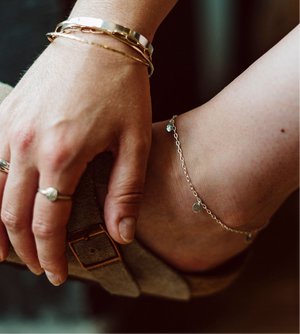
point(53, 195)
point(4, 166)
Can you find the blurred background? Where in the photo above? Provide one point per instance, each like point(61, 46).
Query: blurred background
point(200, 48)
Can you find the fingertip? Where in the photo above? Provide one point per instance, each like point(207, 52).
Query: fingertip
point(127, 227)
point(56, 273)
point(125, 191)
point(120, 218)
point(36, 270)
point(53, 278)
point(3, 255)
point(4, 243)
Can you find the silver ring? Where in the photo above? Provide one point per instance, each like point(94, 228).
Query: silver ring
point(53, 195)
point(4, 166)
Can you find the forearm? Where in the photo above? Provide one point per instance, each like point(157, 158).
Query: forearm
point(262, 111)
point(247, 138)
point(257, 116)
point(143, 16)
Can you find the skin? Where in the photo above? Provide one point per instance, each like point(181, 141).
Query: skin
point(75, 102)
point(242, 154)
point(250, 164)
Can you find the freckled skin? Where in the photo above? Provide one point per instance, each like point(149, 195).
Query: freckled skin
point(242, 172)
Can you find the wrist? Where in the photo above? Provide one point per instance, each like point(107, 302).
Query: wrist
point(143, 16)
point(106, 53)
point(224, 171)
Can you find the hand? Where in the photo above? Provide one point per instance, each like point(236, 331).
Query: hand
point(74, 102)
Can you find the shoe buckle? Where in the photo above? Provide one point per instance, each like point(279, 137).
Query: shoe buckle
point(87, 234)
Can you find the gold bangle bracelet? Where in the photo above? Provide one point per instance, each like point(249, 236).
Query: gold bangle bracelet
point(111, 27)
point(72, 27)
point(53, 35)
point(67, 29)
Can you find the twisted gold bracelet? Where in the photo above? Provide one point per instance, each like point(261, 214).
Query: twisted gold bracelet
point(53, 35)
point(145, 53)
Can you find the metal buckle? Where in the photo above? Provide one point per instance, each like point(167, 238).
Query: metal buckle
point(86, 234)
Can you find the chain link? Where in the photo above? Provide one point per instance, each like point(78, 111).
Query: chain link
point(249, 235)
point(72, 27)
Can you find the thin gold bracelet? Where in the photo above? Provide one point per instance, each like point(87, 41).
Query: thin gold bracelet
point(69, 28)
point(53, 35)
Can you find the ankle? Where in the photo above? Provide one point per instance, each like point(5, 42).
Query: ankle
point(219, 173)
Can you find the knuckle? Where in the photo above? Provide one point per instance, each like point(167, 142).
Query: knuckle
point(42, 229)
point(56, 156)
point(129, 195)
point(137, 144)
point(23, 137)
point(142, 142)
point(10, 220)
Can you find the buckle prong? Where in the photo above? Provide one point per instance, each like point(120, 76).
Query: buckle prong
point(86, 234)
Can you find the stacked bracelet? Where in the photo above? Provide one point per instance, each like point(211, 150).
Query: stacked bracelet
point(52, 35)
point(97, 26)
point(110, 28)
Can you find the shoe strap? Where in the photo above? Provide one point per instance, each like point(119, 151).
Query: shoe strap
point(153, 275)
point(92, 246)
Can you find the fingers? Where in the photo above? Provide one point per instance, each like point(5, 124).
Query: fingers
point(50, 217)
point(4, 244)
point(49, 228)
point(125, 189)
point(16, 212)
point(36, 226)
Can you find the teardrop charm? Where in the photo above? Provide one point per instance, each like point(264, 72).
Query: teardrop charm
point(197, 207)
point(170, 127)
point(249, 238)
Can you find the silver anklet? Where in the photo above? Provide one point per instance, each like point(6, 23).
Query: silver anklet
point(199, 205)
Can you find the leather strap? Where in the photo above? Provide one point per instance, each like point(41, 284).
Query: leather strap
point(152, 274)
point(91, 243)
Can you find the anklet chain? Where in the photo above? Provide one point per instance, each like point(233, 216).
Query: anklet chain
point(199, 205)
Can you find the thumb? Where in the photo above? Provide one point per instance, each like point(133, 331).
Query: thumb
point(125, 191)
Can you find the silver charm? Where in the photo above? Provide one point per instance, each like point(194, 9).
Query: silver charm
point(170, 127)
point(197, 207)
point(249, 238)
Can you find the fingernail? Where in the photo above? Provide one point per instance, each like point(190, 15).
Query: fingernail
point(35, 270)
point(52, 278)
point(127, 228)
